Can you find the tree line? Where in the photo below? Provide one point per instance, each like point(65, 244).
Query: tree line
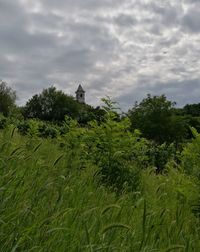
point(157, 118)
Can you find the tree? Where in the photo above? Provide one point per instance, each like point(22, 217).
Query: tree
point(154, 117)
point(7, 98)
point(54, 105)
point(192, 109)
point(51, 105)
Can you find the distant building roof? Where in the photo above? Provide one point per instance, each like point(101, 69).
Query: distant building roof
point(80, 89)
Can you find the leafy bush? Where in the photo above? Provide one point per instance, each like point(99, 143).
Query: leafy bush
point(49, 204)
point(7, 98)
point(190, 155)
point(3, 121)
point(23, 127)
point(155, 118)
point(38, 128)
point(48, 130)
point(119, 154)
point(160, 155)
point(57, 194)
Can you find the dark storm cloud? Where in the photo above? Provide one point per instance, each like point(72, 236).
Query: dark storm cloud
point(124, 49)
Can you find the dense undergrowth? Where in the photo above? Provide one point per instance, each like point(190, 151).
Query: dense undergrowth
point(97, 189)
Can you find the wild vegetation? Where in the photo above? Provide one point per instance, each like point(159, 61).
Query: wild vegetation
point(102, 185)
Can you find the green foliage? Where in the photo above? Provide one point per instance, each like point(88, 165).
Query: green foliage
point(48, 130)
point(112, 149)
point(154, 117)
point(192, 122)
point(99, 114)
point(33, 127)
point(49, 204)
point(51, 105)
point(23, 127)
point(54, 105)
point(71, 188)
point(87, 113)
point(7, 98)
point(191, 163)
point(160, 155)
point(192, 109)
point(119, 154)
point(3, 121)
point(190, 155)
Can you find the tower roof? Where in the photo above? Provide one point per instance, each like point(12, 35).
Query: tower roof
point(80, 89)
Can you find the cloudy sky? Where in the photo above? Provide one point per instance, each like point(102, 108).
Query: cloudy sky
point(124, 49)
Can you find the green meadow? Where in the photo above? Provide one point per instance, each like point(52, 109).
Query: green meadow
point(96, 189)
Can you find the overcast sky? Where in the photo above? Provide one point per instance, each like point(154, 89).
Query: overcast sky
point(124, 49)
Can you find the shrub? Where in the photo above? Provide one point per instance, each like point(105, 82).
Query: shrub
point(47, 130)
point(38, 128)
point(160, 155)
point(117, 152)
point(3, 121)
point(23, 127)
point(190, 156)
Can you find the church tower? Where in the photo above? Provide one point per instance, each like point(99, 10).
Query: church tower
point(80, 94)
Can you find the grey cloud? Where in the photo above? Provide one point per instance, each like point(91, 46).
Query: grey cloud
point(80, 60)
point(165, 13)
point(125, 20)
point(12, 14)
point(49, 21)
point(170, 41)
point(191, 21)
point(123, 49)
point(21, 41)
point(79, 4)
point(175, 91)
point(191, 2)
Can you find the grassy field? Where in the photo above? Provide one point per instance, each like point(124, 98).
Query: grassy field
point(52, 198)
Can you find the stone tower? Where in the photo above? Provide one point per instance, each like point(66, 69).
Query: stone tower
point(80, 94)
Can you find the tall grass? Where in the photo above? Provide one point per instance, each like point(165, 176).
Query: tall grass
point(50, 202)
